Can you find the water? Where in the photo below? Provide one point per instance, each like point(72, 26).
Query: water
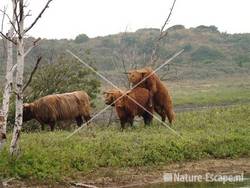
point(244, 184)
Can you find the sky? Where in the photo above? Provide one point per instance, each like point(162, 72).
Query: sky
point(67, 19)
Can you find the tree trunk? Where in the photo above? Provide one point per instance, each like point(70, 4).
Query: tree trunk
point(7, 89)
point(19, 87)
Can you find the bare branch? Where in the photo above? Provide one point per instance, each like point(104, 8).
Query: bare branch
point(4, 14)
point(163, 33)
point(34, 45)
point(8, 38)
point(21, 7)
point(32, 73)
point(16, 17)
point(10, 21)
point(2, 25)
point(28, 14)
point(169, 15)
point(38, 17)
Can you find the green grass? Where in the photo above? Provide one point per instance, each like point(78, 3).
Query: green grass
point(211, 92)
point(215, 133)
point(213, 96)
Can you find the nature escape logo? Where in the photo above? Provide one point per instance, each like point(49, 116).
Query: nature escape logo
point(208, 177)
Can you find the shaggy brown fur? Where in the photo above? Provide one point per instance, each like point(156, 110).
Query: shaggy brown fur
point(126, 108)
point(159, 94)
point(53, 108)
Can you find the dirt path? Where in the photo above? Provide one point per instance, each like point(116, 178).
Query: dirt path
point(133, 177)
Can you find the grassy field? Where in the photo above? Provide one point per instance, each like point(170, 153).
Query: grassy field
point(211, 91)
point(214, 133)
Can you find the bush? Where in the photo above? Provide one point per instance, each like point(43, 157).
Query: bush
point(66, 75)
point(81, 38)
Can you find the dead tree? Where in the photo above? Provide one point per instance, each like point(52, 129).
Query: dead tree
point(163, 33)
point(18, 41)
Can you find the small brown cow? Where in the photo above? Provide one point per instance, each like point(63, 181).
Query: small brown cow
point(59, 107)
point(126, 108)
point(159, 95)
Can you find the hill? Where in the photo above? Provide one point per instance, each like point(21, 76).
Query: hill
point(208, 52)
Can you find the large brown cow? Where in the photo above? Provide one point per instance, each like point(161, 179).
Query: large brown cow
point(126, 108)
point(59, 107)
point(159, 94)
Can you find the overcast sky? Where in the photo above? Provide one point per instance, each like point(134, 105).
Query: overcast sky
point(66, 19)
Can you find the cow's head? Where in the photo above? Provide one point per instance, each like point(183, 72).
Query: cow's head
point(28, 112)
point(110, 96)
point(135, 76)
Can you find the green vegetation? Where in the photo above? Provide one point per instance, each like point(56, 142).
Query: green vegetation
point(209, 93)
point(203, 45)
point(216, 133)
point(65, 75)
point(81, 38)
point(205, 53)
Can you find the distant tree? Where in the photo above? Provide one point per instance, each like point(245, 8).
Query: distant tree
point(81, 38)
point(176, 27)
point(211, 28)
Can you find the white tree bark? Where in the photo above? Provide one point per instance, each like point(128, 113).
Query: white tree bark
point(8, 87)
point(19, 85)
point(19, 31)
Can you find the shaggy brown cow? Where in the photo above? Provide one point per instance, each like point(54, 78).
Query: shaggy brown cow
point(126, 108)
point(159, 94)
point(59, 107)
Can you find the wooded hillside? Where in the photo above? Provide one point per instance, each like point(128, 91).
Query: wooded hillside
point(208, 52)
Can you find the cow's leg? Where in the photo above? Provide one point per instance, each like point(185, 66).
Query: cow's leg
point(131, 122)
point(79, 121)
point(123, 124)
point(171, 115)
point(147, 118)
point(42, 126)
point(163, 118)
point(161, 113)
point(87, 118)
point(52, 125)
point(150, 102)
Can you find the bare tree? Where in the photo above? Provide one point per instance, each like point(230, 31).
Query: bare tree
point(8, 78)
point(162, 35)
point(17, 39)
point(124, 58)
